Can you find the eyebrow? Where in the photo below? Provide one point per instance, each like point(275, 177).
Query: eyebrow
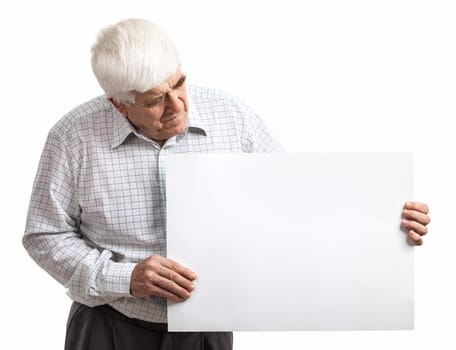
point(179, 83)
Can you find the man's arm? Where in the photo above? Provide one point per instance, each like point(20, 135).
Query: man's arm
point(53, 240)
point(90, 274)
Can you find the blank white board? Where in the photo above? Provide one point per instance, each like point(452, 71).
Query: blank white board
point(305, 241)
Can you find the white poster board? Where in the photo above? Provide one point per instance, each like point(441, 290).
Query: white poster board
point(282, 242)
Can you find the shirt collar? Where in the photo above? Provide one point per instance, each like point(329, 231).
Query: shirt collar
point(122, 128)
point(195, 122)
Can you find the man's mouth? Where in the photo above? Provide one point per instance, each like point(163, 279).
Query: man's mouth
point(168, 118)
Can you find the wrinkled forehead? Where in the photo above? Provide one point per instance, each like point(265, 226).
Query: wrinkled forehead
point(175, 80)
point(165, 86)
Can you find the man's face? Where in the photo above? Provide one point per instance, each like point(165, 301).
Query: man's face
point(162, 112)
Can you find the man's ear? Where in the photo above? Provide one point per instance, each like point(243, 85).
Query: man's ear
point(119, 106)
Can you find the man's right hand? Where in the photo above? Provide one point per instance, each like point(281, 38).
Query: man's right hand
point(163, 277)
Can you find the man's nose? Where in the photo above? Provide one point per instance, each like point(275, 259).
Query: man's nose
point(173, 102)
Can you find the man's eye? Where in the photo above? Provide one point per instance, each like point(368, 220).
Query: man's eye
point(155, 101)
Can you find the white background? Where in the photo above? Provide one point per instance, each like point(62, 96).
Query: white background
point(324, 75)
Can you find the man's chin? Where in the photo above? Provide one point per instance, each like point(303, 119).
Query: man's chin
point(174, 131)
point(176, 126)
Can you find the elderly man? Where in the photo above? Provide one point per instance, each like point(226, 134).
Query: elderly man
point(97, 220)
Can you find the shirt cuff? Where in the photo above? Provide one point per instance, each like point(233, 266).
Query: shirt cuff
point(116, 279)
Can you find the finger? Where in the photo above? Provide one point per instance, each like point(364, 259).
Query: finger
point(415, 226)
point(157, 291)
point(176, 278)
point(416, 216)
point(171, 287)
point(415, 238)
point(176, 267)
point(421, 207)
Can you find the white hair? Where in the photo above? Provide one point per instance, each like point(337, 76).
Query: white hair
point(132, 56)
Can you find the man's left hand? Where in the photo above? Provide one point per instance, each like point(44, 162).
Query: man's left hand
point(414, 220)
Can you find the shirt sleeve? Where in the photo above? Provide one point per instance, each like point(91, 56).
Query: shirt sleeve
point(256, 137)
point(52, 237)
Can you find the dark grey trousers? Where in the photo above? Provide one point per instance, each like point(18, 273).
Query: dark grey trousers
point(103, 328)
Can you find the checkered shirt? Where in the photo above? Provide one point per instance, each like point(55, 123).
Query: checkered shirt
point(98, 200)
